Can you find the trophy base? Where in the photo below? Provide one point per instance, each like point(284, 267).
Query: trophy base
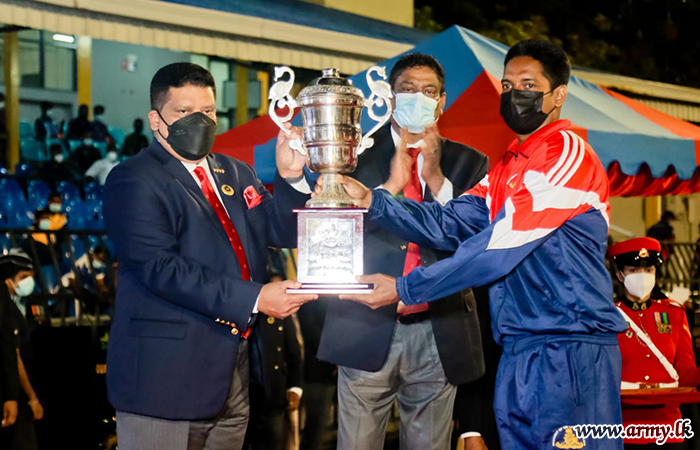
point(333, 289)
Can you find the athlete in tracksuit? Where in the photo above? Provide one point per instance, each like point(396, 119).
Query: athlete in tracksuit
point(536, 228)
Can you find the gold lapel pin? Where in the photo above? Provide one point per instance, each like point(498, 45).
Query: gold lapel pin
point(226, 189)
point(218, 170)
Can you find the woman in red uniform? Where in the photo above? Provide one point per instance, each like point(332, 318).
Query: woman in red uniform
point(657, 348)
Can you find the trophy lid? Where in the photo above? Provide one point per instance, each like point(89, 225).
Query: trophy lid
point(330, 83)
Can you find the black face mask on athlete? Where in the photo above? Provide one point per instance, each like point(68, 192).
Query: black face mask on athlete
point(192, 136)
point(522, 110)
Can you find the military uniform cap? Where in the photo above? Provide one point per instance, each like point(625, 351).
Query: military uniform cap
point(638, 252)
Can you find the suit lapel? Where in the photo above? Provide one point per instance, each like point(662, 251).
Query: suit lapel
point(178, 171)
point(234, 203)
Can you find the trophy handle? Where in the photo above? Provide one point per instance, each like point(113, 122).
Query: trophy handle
point(279, 98)
point(380, 96)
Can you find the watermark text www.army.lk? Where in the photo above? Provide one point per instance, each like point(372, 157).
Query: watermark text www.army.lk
point(576, 435)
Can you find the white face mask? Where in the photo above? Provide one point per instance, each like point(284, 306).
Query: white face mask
point(640, 284)
point(111, 156)
point(58, 158)
point(25, 287)
point(414, 112)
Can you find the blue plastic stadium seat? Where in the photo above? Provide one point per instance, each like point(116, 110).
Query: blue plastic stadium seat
point(9, 192)
point(93, 192)
point(70, 194)
point(102, 147)
point(32, 150)
point(78, 216)
point(22, 170)
point(38, 194)
point(14, 206)
point(73, 144)
point(26, 130)
point(118, 136)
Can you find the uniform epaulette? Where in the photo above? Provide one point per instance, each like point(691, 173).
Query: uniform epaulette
point(670, 302)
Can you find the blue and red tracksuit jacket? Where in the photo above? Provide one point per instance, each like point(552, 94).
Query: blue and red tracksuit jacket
point(536, 227)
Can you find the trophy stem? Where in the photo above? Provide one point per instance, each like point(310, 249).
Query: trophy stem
point(332, 196)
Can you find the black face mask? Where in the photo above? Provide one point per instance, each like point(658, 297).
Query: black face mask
point(522, 110)
point(191, 137)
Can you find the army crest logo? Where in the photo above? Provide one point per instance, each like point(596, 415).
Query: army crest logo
point(565, 438)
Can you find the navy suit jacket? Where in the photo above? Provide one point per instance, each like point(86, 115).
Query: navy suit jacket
point(178, 273)
point(359, 337)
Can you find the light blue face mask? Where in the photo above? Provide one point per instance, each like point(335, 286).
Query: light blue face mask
point(55, 207)
point(25, 287)
point(45, 224)
point(414, 112)
point(97, 264)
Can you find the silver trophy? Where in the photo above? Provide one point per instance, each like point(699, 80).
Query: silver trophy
point(330, 228)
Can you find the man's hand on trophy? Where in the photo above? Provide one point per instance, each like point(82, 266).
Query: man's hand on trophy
point(400, 170)
point(431, 150)
point(355, 190)
point(274, 301)
point(384, 292)
point(290, 163)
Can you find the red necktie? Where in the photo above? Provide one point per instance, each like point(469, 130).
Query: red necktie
point(225, 220)
point(413, 191)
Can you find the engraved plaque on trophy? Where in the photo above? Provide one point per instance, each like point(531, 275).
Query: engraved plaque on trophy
point(330, 228)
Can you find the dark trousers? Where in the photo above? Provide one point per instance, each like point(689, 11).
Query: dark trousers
point(21, 435)
point(266, 424)
point(317, 402)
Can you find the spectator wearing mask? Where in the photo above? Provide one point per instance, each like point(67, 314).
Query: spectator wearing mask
point(43, 243)
point(80, 126)
point(100, 133)
point(84, 156)
point(9, 373)
point(55, 170)
point(135, 141)
point(17, 272)
point(57, 218)
point(44, 127)
point(100, 169)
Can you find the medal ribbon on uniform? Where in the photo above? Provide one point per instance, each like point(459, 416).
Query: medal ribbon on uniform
point(662, 322)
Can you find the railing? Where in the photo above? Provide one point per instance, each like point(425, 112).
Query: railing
point(681, 267)
point(53, 261)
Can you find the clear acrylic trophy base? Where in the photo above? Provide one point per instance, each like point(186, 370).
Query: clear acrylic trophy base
point(330, 251)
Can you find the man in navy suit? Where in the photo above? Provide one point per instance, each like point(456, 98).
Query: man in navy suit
point(191, 231)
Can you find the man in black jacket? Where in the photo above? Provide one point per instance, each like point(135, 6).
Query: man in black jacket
point(416, 355)
point(9, 374)
point(17, 275)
